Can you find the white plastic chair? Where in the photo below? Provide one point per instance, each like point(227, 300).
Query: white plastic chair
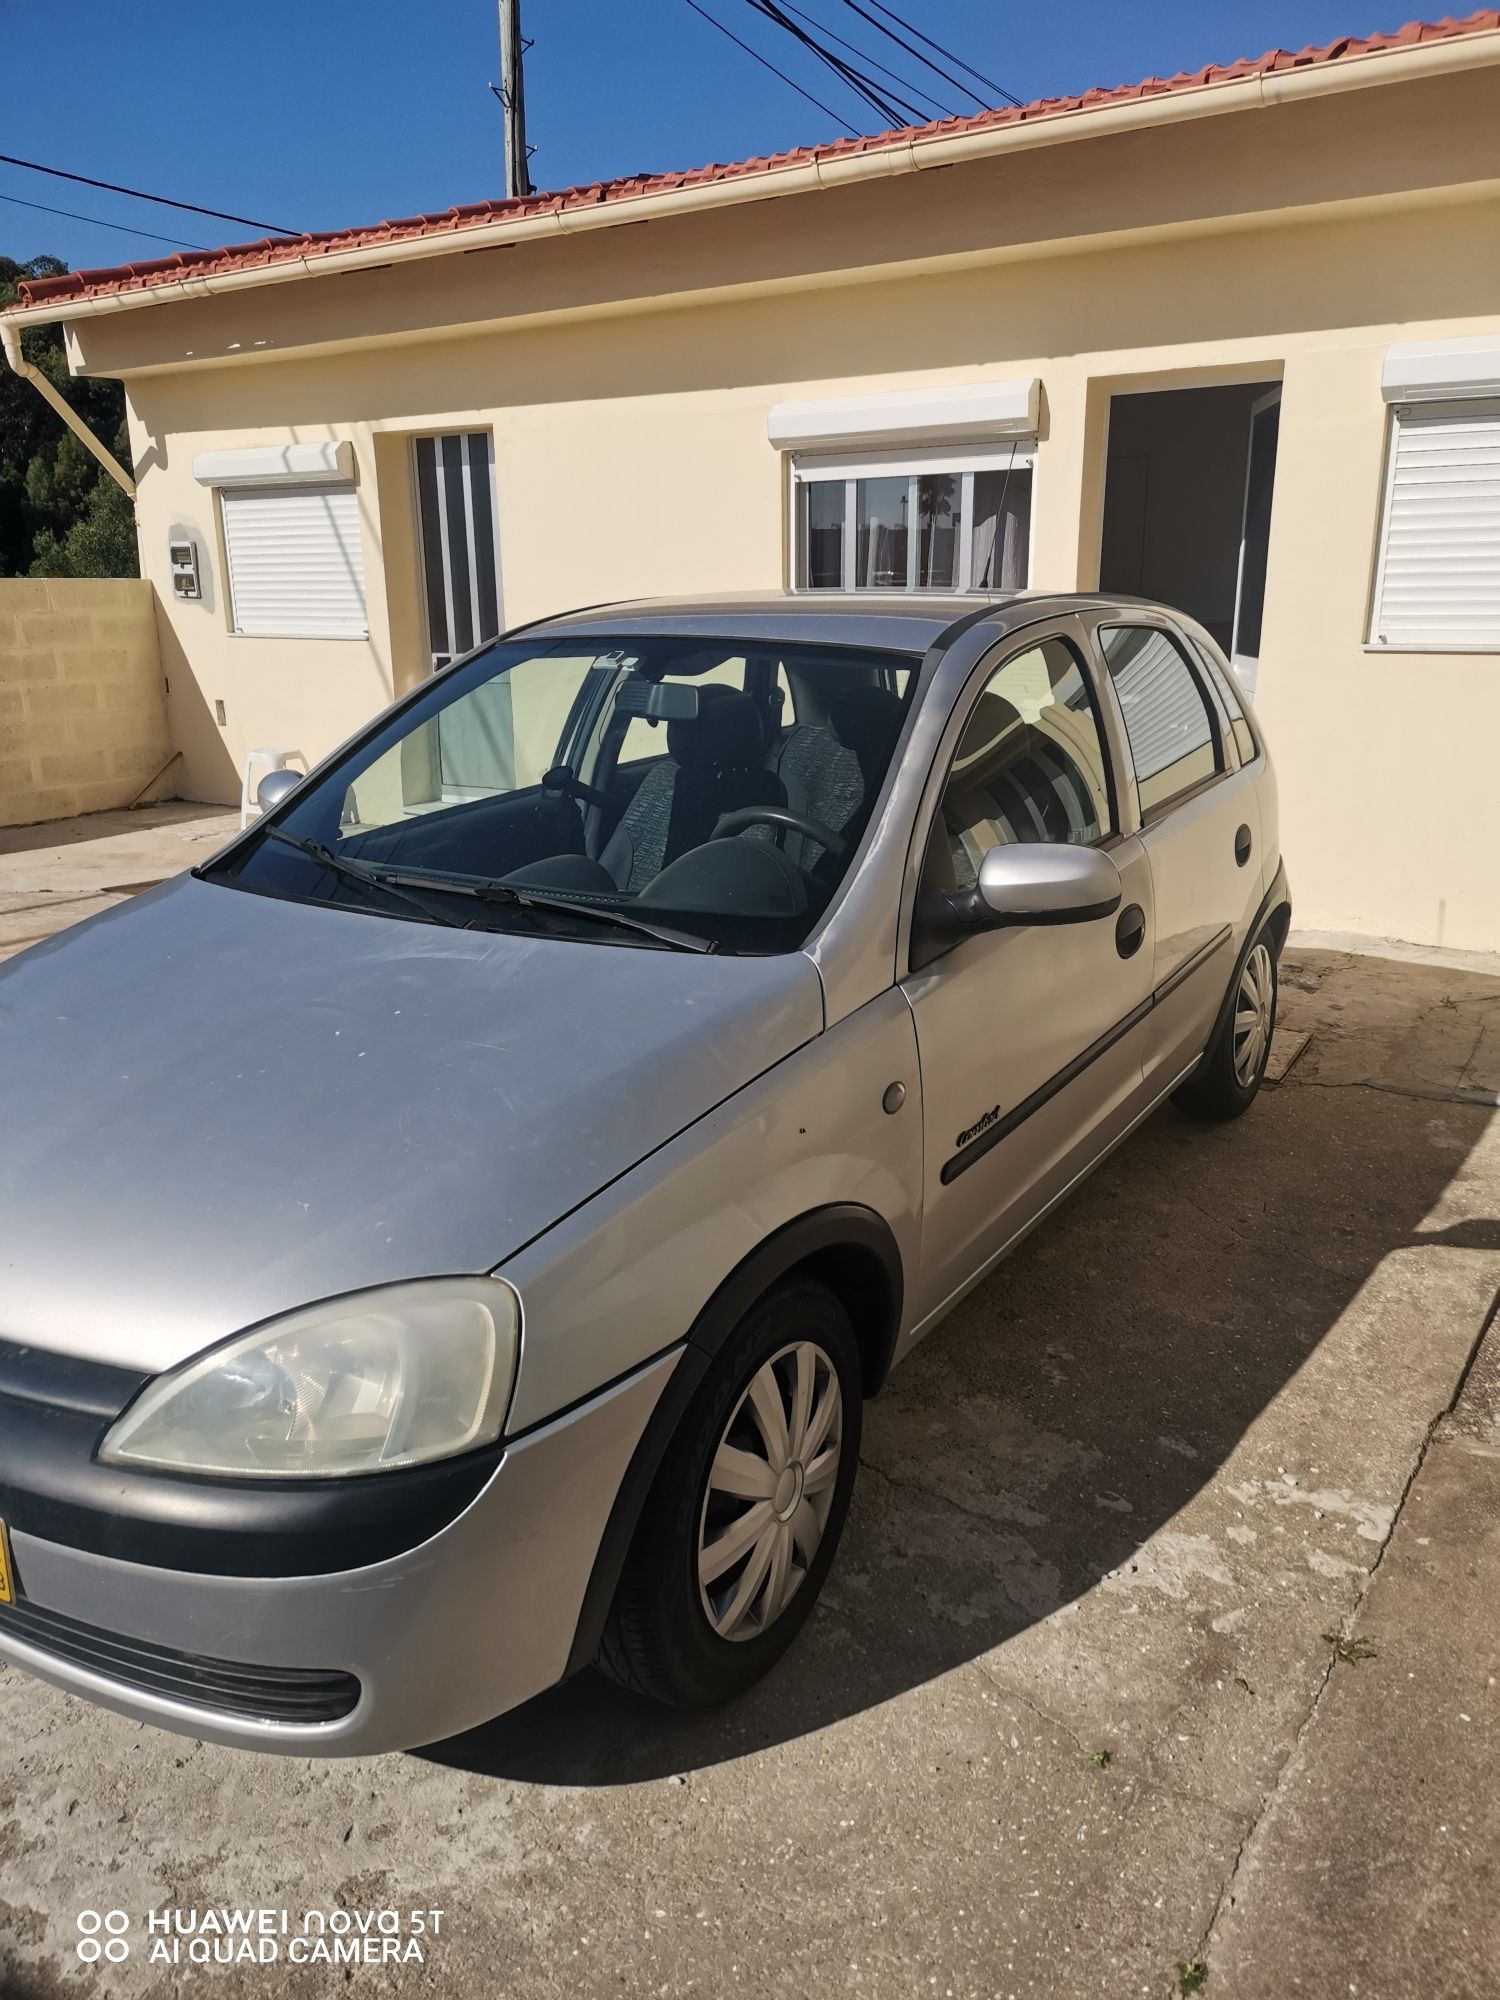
point(274, 759)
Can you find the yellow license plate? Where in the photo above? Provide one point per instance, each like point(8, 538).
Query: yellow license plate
point(7, 1573)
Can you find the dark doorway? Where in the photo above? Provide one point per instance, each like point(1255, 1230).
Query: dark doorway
point(1187, 506)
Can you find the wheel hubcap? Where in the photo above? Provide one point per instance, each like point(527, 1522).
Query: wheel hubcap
point(770, 1489)
point(1254, 1009)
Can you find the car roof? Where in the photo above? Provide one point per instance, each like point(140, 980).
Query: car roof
point(900, 623)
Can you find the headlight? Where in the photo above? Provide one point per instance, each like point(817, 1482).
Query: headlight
point(367, 1383)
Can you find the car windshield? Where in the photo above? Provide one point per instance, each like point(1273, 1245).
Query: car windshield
point(699, 793)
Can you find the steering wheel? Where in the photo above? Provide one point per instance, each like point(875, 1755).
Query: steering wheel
point(785, 822)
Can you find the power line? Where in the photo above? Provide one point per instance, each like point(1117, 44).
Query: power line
point(912, 50)
point(968, 68)
point(892, 109)
point(925, 96)
point(816, 102)
point(124, 228)
point(164, 201)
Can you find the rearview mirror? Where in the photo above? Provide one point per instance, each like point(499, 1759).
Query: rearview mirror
point(274, 787)
point(1031, 883)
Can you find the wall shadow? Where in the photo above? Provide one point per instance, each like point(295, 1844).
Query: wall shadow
point(1062, 1415)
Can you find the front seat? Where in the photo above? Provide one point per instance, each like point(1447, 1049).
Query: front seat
point(832, 774)
point(712, 767)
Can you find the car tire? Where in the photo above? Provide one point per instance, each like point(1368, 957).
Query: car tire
point(1228, 1080)
point(680, 1630)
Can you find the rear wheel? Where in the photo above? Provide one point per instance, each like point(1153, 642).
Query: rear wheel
point(743, 1519)
point(1229, 1077)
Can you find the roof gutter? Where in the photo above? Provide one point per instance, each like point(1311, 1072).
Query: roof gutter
point(10, 342)
point(911, 153)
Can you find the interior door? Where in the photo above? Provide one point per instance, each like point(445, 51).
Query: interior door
point(1255, 537)
point(1030, 1038)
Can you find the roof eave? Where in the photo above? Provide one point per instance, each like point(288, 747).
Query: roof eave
point(903, 153)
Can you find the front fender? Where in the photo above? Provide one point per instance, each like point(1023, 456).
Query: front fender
point(630, 1273)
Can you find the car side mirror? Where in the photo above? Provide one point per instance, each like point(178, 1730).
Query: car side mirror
point(1030, 883)
point(274, 787)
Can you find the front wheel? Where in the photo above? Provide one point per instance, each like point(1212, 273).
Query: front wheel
point(1228, 1079)
point(744, 1516)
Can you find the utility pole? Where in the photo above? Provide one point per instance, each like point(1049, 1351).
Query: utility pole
point(513, 98)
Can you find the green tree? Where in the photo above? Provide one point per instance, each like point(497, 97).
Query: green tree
point(60, 512)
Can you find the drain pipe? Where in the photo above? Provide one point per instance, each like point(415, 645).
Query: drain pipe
point(10, 341)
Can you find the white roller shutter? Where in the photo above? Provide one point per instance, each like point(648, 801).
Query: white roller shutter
point(1439, 581)
point(296, 570)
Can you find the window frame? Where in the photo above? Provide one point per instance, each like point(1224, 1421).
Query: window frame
point(1407, 409)
point(849, 467)
point(1226, 762)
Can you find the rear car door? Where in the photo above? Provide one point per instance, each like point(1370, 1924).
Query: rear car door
point(1199, 823)
point(1030, 1039)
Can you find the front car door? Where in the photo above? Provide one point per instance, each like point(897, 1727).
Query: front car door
point(1031, 1040)
point(1200, 827)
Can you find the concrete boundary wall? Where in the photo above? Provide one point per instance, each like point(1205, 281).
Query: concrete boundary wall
point(83, 719)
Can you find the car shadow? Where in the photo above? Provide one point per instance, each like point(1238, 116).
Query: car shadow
point(1061, 1415)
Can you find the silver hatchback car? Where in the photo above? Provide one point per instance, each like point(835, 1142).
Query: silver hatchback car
point(448, 1239)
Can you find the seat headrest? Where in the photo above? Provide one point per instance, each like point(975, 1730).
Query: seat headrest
point(866, 720)
point(726, 734)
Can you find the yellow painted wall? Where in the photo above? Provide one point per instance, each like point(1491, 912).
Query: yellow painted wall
point(632, 456)
point(83, 725)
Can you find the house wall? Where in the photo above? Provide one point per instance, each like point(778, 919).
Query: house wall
point(83, 722)
point(632, 456)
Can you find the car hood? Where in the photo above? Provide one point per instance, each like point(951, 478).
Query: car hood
point(218, 1106)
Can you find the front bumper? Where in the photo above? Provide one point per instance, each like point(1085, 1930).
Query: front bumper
point(474, 1620)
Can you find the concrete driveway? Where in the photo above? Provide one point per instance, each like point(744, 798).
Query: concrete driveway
point(1161, 1654)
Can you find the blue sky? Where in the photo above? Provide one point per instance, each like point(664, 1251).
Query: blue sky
point(330, 112)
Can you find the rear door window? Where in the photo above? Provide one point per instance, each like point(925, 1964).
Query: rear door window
point(1169, 721)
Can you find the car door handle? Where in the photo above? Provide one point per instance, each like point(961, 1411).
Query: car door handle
point(1242, 845)
point(1130, 930)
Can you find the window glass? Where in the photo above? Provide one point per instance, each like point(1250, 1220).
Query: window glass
point(880, 542)
point(788, 716)
point(498, 738)
point(820, 534)
point(1221, 677)
point(923, 527)
point(1002, 529)
point(1173, 744)
point(939, 529)
point(649, 739)
point(1030, 765)
point(421, 821)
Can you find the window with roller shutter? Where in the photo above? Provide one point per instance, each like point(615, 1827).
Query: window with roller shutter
point(296, 568)
point(1438, 584)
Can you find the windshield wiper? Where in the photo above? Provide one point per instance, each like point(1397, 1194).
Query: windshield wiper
point(509, 897)
point(398, 881)
point(360, 871)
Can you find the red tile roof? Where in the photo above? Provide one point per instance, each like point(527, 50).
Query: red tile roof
point(453, 221)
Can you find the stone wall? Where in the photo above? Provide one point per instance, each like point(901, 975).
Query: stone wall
point(83, 721)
